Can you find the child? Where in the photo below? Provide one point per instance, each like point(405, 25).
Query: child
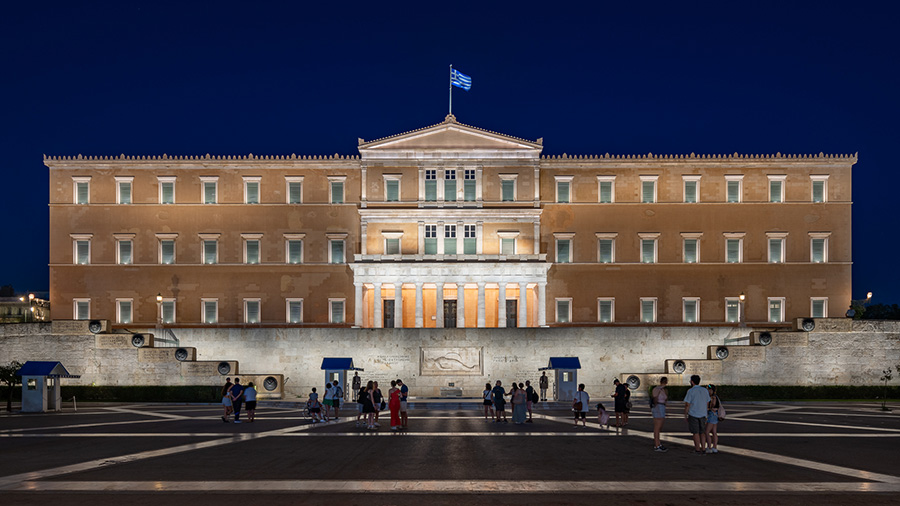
point(602, 416)
point(315, 407)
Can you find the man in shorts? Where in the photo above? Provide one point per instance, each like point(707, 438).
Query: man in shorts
point(337, 398)
point(499, 397)
point(328, 401)
point(404, 397)
point(695, 405)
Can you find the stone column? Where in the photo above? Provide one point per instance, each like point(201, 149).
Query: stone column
point(362, 190)
point(421, 238)
point(460, 304)
point(358, 306)
point(542, 304)
point(440, 238)
point(481, 315)
point(523, 304)
point(421, 186)
point(398, 305)
point(479, 200)
point(537, 237)
point(377, 304)
point(479, 237)
point(363, 237)
point(501, 308)
point(439, 304)
point(420, 321)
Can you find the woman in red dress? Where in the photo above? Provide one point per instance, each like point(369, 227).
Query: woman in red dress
point(394, 405)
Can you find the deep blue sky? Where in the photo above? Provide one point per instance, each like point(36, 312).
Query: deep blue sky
point(103, 78)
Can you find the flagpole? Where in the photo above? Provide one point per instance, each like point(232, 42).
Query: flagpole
point(450, 112)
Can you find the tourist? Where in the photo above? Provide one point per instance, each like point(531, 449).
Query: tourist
point(544, 383)
point(360, 404)
point(226, 399)
point(581, 405)
point(696, 403)
point(237, 399)
point(488, 404)
point(404, 402)
point(356, 385)
point(394, 406)
point(620, 395)
point(602, 415)
point(314, 407)
point(712, 421)
point(250, 398)
point(530, 399)
point(337, 399)
point(658, 398)
point(328, 401)
point(378, 401)
point(518, 401)
point(498, 395)
point(369, 409)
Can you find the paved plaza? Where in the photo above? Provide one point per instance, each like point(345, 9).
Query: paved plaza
point(779, 453)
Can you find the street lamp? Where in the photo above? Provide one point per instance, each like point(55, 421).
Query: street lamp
point(158, 309)
point(742, 297)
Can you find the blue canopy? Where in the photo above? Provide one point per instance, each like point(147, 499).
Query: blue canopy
point(339, 364)
point(49, 369)
point(563, 363)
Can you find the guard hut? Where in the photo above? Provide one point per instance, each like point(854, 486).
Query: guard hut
point(337, 369)
point(41, 386)
point(566, 377)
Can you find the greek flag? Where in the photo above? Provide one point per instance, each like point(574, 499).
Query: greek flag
point(460, 80)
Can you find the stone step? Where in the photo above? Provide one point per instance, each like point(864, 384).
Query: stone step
point(740, 352)
point(772, 338)
point(123, 341)
point(209, 367)
point(183, 354)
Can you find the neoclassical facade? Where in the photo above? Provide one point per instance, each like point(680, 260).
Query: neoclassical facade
point(450, 226)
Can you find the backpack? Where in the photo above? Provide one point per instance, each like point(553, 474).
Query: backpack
point(339, 393)
point(721, 411)
point(535, 397)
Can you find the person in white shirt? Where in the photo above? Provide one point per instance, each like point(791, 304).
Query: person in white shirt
point(696, 402)
point(328, 400)
point(250, 401)
point(581, 405)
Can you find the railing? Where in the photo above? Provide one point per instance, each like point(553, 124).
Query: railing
point(165, 338)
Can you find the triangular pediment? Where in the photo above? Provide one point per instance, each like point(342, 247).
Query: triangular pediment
point(450, 136)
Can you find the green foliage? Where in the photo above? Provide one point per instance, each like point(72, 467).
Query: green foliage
point(794, 393)
point(150, 393)
point(882, 312)
point(8, 377)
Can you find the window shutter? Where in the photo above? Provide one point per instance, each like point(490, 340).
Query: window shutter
point(733, 247)
point(775, 250)
point(168, 251)
point(337, 252)
point(605, 251)
point(168, 193)
point(295, 192)
point(209, 193)
point(647, 188)
point(605, 311)
point(562, 251)
point(605, 192)
point(690, 311)
point(734, 189)
point(449, 190)
point(469, 190)
point(209, 252)
point(562, 191)
point(393, 191)
point(295, 252)
point(337, 192)
point(562, 311)
point(392, 246)
point(124, 252)
point(168, 312)
point(647, 247)
point(252, 311)
point(296, 312)
point(818, 250)
point(646, 310)
point(818, 309)
point(83, 309)
point(431, 190)
point(82, 193)
point(690, 191)
point(253, 252)
point(507, 246)
point(84, 249)
point(124, 193)
point(252, 192)
point(775, 191)
point(337, 311)
point(210, 311)
point(818, 191)
point(508, 188)
point(690, 251)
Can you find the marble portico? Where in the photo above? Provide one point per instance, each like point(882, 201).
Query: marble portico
point(496, 293)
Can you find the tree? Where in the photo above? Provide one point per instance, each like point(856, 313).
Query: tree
point(7, 291)
point(8, 376)
point(882, 312)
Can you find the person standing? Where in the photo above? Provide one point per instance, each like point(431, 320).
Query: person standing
point(518, 401)
point(487, 403)
point(658, 398)
point(378, 400)
point(581, 405)
point(356, 386)
point(544, 383)
point(250, 398)
point(530, 395)
point(394, 406)
point(226, 399)
point(696, 403)
point(360, 406)
point(337, 399)
point(498, 395)
point(328, 400)
point(620, 395)
point(369, 409)
point(712, 421)
point(237, 399)
point(404, 403)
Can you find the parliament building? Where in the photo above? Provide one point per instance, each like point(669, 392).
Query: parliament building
point(449, 226)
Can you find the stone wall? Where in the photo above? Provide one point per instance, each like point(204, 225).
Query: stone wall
point(838, 352)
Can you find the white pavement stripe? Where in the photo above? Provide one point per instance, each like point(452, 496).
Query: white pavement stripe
point(773, 410)
point(84, 425)
point(813, 424)
point(452, 486)
point(624, 432)
point(446, 434)
point(771, 457)
point(148, 411)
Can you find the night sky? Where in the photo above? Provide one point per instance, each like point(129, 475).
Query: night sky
point(148, 78)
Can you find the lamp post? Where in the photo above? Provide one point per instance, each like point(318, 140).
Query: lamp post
point(741, 298)
point(159, 315)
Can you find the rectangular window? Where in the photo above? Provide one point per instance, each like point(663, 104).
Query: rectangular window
point(251, 251)
point(776, 251)
point(123, 310)
point(251, 311)
point(124, 252)
point(691, 251)
point(168, 311)
point(562, 191)
point(563, 310)
point(210, 192)
point(210, 310)
point(83, 252)
point(690, 190)
point(82, 190)
point(295, 192)
point(648, 191)
point(606, 189)
point(733, 250)
point(648, 310)
point(819, 188)
point(776, 189)
point(251, 191)
point(450, 185)
point(469, 185)
point(733, 185)
point(124, 193)
point(431, 240)
point(336, 315)
point(776, 309)
point(337, 192)
point(605, 251)
point(82, 309)
point(819, 307)
point(210, 251)
point(691, 309)
point(470, 243)
point(294, 251)
point(563, 251)
point(392, 190)
point(449, 239)
point(167, 251)
point(166, 192)
point(732, 310)
point(648, 251)
point(507, 246)
point(818, 249)
point(430, 185)
point(337, 251)
point(508, 190)
point(606, 310)
point(392, 246)
point(294, 310)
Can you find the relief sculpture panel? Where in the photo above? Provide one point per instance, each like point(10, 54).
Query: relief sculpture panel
point(457, 361)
